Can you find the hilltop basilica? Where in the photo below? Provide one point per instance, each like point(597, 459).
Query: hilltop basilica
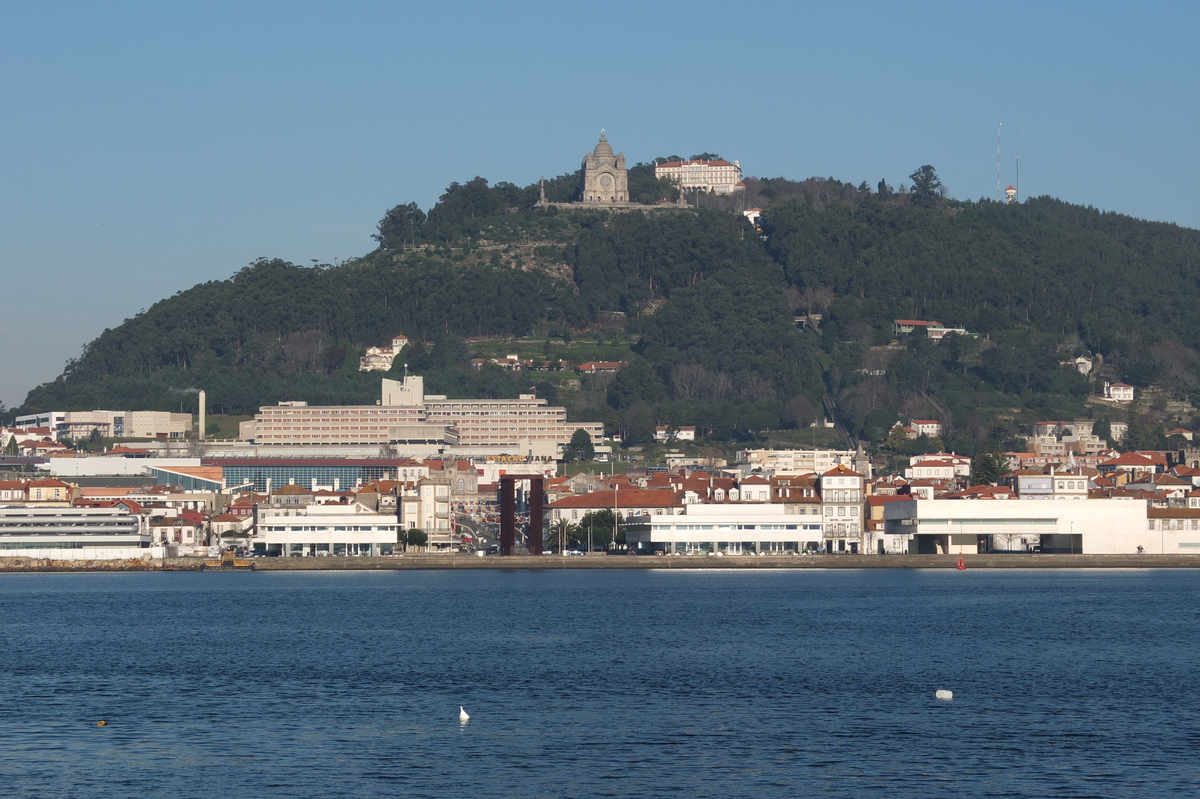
point(605, 178)
point(605, 183)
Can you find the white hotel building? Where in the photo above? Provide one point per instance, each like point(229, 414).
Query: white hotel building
point(715, 177)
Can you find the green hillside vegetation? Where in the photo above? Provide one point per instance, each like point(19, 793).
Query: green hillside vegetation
point(702, 307)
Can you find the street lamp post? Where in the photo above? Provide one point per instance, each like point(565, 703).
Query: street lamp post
point(612, 476)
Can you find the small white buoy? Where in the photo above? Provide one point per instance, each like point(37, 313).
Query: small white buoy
point(462, 714)
point(945, 695)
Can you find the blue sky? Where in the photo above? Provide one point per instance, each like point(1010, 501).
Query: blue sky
point(151, 146)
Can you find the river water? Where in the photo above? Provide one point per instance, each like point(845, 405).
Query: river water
point(600, 683)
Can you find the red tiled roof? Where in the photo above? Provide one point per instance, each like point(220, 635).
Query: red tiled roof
point(629, 498)
point(292, 489)
point(592, 366)
point(680, 164)
point(1131, 459)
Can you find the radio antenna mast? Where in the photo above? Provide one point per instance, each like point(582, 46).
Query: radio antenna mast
point(997, 160)
point(1017, 185)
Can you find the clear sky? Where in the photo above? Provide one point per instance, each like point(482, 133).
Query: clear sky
point(150, 146)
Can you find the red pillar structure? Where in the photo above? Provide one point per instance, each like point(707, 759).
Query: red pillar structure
point(537, 501)
point(508, 512)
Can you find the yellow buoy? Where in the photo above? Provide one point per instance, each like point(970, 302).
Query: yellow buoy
point(101, 723)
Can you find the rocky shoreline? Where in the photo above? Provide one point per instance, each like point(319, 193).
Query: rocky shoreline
point(467, 562)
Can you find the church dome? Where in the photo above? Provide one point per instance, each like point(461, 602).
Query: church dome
point(603, 148)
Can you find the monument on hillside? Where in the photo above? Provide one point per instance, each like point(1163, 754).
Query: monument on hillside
point(605, 178)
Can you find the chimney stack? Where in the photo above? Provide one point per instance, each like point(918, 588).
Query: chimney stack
point(200, 421)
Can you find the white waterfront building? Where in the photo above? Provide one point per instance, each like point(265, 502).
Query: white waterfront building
point(730, 528)
point(319, 530)
point(1089, 527)
point(73, 534)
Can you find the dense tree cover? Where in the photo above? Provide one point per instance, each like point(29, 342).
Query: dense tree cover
point(276, 329)
point(647, 189)
point(714, 306)
point(630, 261)
point(1117, 283)
point(466, 210)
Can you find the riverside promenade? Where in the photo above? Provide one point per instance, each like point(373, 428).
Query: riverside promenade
point(465, 562)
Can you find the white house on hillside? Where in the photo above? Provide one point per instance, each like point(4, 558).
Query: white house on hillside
point(380, 359)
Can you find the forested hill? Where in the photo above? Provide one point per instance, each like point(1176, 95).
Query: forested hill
point(707, 305)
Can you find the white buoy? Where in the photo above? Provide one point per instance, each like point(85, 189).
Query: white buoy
point(945, 695)
point(462, 714)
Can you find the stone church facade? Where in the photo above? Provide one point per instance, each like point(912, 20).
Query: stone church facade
point(605, 178)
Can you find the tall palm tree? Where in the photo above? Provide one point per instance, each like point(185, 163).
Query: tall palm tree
point(562, 532)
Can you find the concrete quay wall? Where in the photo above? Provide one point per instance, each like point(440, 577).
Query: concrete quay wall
point(558, 562)
point(468, 562)
point(51, 565)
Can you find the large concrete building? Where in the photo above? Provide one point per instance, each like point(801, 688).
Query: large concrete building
point(405, 415)
point(110, 424)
